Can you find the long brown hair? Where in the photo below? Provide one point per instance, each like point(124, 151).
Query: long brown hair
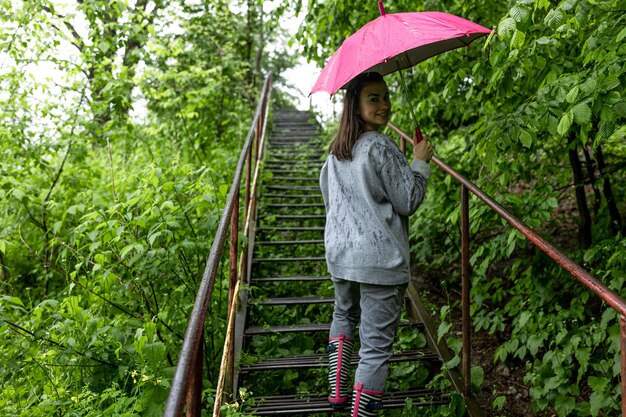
point(351, 126)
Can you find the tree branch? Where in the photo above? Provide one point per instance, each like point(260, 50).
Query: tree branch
point(18, 328)
point(77, 40)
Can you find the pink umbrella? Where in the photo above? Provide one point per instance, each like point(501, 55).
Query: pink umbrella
point(396, 41)
point(393, 42)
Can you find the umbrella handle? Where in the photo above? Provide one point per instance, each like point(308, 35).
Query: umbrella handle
point(418, 135)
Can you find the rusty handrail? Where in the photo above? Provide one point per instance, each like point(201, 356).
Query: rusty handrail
point(578, 272)
point(187, 382)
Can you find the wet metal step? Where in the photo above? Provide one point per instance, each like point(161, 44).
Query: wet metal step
point(303, 259)
point(296, 328)
point(297, 216)
point(321, 359)
point(294, 187)
point(289, 242)
point(289, 279)
point(293, 196)
point(290, 229)
point(292, 205)
point(308, 179)
point(310, 299)
point(291, 405)
point(307, 327)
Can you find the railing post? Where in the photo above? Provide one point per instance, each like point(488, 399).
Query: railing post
point(234, 248)
point(232, 281)
point(465, 293)
point(622, 326)
point(248, 181)
point(194, 393)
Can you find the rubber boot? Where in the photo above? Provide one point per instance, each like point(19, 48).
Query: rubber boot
point(365, 403)
point(339, 356)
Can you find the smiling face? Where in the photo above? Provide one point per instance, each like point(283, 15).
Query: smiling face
point(374, 105)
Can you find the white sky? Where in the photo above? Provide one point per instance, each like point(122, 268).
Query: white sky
point(303, 76)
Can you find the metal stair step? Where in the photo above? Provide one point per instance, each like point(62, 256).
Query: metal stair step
point(297, 216)
point(309, 299)
point(289, 242)
point(296, 328)
point(292, 196)
point(294, 205)
point(288, 279)
point(284, 170)
point(294, 187)
point(321, 359)
point(290, 405)
point(311, 179)
point(295, 259)
point(307, 327)
point(291, 229)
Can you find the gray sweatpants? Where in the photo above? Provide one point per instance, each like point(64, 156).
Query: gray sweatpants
point(378, 308)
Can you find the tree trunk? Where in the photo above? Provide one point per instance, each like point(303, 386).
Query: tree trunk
point(4, 272)
point(584, 227)
point(591, 176)
point(616, 225)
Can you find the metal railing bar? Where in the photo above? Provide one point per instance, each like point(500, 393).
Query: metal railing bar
point(613, 299)
point(195, 326)
point(578, 272)
point(465, 293)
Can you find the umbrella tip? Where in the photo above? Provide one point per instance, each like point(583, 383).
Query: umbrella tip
point(381, 7)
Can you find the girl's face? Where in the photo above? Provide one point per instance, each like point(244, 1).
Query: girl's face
point(374, 105)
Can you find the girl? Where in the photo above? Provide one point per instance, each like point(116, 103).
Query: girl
point(369, 191)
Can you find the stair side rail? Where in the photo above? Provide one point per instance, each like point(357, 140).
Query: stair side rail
point(578, 272)
point(186, 387)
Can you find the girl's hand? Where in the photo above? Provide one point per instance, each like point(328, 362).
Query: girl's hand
point(423, 151)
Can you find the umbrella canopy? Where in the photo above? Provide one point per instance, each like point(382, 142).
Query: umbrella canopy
point(396, 41)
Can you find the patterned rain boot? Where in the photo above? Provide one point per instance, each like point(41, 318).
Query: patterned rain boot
point(339, 356)
point(365, 403)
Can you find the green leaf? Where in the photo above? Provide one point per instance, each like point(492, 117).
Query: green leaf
point(523, 319)
point(620, 109)
point(597, 402)
point(18, 194)
point(499, 402)
point(553, 19)
point(564, 405)
point(443, 329)
point(621, 35)
point(543, 40)
point(126, 250)
point(517, 41)
point(477, 377)
point(520, 14)
point(598, 384)
point(565, 123)
point(609, 83)
point(534, 343)
point(542, 4)
point(582, 113)
point(572, 96)
point(104, 46)
point(582, 356)
point(506, 27)
point(525, 138)
point(589, 86)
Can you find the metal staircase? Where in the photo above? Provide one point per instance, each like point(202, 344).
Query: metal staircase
point(285, 313)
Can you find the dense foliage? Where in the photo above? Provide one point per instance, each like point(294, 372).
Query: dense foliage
point(120, 127)
point(119, 130)
point(534, 116)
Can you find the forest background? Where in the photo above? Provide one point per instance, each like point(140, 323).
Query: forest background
point(107, 214)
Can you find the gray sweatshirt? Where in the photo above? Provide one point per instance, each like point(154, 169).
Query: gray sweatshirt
point(368, 201)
